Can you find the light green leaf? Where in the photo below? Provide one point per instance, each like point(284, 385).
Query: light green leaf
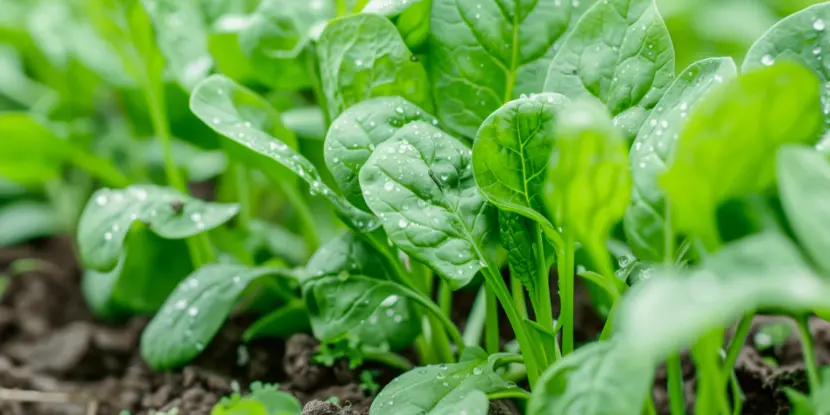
point(30, 153)
point(804, 187)
point(389, 8)
point(605, 378)
point(16, 85)
point(674, 308)
point(420, 184)
point(23, 220)
point(356, 133)
point(363, 56)
point(280, 29)
point(485, 53)
point(654, 146)
point(511, 153)
point(47, 23)
point(461, 401)
point(224, 106)
point(727, 147)
point(413, 24)
point(109, 215)
point(307, 122)
point(195, 311)
point(620, 52)
point(423, 389)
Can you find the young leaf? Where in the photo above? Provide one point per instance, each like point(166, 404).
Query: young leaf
point(195, 311)
point(620, 52)
point(603, 378)
point(804, 187)
point(281, 29)
point(727, 147)
point(515, 232)
point(420, 185)
point(654, 146)
point(511, 153)
point(281, 323)
point(363, 56)
point(223, 105)
point(109, 215)
point(354, 135)
point(421, 390)
point(673, 308)
point(485, 53)
point(588, 181)
point(802, 37)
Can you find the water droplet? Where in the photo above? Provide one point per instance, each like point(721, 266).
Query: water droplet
point(181, 304)
point(192, 311)
point(445, 384)
point(767, 60)
point(442, 366)
point(817, 50)
point(301, 172)
point(403, 223)
point(477, 371)
point(216, 120)
point(653, 123)
point(108, 236)
point(399, 110)
point(510, 384)
point(388, 186)
point(624, 260)
point(196, 217)
point(390, 301)
point(819, 25)
point(101, 200)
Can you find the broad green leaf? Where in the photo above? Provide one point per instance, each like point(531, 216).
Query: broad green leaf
point(47, 23)
point(16, 85)
point(275, 241)
point(655, 143)
point(195, 311)
point(515, 233)
point(804, 187)
point(485, 53)
point(280, 29)
point(413, 24)
point(347, 252)
point(674, 308)
point(281, 323)
point(620, 52)
point(109, 215)
point(511, 153)
point(727, 147)
point(356, 133)
point(23, 220)
point(461, 401)
point(215, 102)
point(588, 183)
point(420, 184)
point(96, 54)
point(182, 37)
point(30, 153)
point(604, 378)
point(263, 400)
point(421, 390)
point(363, 56)
point(802, 37)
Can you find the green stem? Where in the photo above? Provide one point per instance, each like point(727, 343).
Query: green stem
point(301, 208)
point(737, 395)
point(674, 372)
point(514, 393)
point(544, 313)
point(475, 321)
point(565, 269)
point(809, 353)
point(518, 291)
point(735, 345)
point(445, 298)
point(491, 332)
point(243, 195)
point(438, 314)
point(390, 359)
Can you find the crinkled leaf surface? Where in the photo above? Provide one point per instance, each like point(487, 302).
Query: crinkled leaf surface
point(511, 153)
point(280, 29)
point(487, 52)
point(420, 184)
point(654, 146)
point(110, 213)
point(602, 378)
point(347, 252)
point(620, 52)
point(214, 101)
point(674, 308)
point(363, 56)
point(515, 233)
point(422, 389)
point(355, 134)
point(727, 147)
point(804, 188)
point(194, 312)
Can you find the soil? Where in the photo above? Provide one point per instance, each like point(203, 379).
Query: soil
point(56, 359)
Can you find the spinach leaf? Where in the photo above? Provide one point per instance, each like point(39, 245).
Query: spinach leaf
point(462, 401)
point(485, 53)
point(23, 220)
point(413, 24)
point(363, 56)
point(307, 122)
point(354, 135)
point(804, 186)
point(422, 390)
point(511, 153)
point(347, 252)
point(223, 105)
point(601, 378)
point(620, 52)
point(801, 37)
point(389, 7)
point(281, 29)
point(515, 233)
point(420, 185)
point(727, 147)
point(289, 319)
point(195, 311)
point(674, 308)
point(109, 215)
point(654, 146)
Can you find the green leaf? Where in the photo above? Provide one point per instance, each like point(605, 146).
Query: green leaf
point(605, 378)
point(347, 252)
point(109, 215)
point(281, 323)
point(674, 308)
point(24, 220)
point(654, 146)
point(727, 147)
point(195, 311)
point(363, 56)
point(515, 233)
point(413, 24)
point(588, 183)
point(281, 29)
point(802, 37)
point(307, 122)
point(224, 106)
point(420, 184)
point(30, 153)
point(182, 37)
point(389, 8)
point(354, 135)
point(511, 153)
point(804, 187)
point(485, 53)
point(620, 52)
point(422, 390)
point(263, 400)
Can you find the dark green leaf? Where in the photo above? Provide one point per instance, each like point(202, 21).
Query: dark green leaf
point(515, 232)
point(349, 253)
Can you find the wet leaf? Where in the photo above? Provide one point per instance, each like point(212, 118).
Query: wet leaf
point(281, 29)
